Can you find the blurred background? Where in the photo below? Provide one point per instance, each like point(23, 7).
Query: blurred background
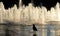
point(47, 3)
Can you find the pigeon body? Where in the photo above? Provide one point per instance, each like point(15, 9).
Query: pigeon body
point(34, 28)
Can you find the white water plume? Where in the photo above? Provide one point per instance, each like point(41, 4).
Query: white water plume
point(29, 14)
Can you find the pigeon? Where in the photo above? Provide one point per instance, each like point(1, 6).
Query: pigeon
point(34, 28)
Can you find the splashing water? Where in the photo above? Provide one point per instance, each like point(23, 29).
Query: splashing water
point(29, 14)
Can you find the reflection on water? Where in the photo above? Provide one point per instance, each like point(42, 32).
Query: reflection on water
point(7, 32)
point(34, 35)
point(13, 29)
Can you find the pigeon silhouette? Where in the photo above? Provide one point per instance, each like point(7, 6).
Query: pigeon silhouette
point(34, 28)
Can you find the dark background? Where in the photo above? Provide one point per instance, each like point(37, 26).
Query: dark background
point(47, 3)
